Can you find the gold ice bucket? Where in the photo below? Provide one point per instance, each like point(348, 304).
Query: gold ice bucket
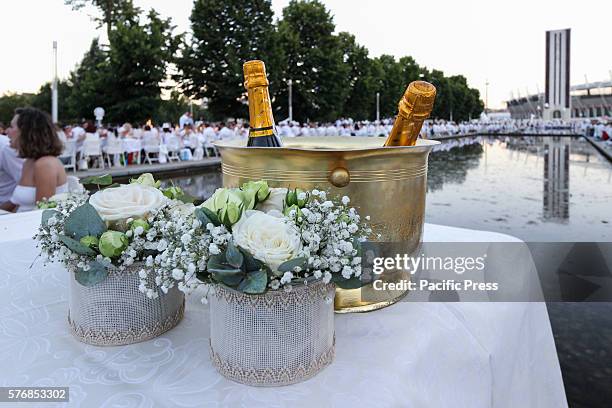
point(386, 183)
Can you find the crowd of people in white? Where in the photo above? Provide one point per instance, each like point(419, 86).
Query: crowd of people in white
point(87, 145)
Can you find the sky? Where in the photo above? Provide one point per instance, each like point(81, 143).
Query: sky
point(499, 42)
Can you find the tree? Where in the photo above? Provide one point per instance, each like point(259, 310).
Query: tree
point(138, 60)
point(11, 101)
point(89, 83)
point(225, 34)
point(361, 82)
point(313, 59)
point(111, 10)
point(42, 100)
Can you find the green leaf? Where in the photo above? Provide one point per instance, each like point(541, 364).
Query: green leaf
point(358, 246)
point(234, 256)
point(46, 215)
point(209, 216)
point(83, 221)
point(96, 274)
point(352, 283)
point(230, 277)
point(216, 262)
point(250, 263)
point(288, 266)
point(186, 198)
point(76, 247)
point(254, 282)
point(104, 180)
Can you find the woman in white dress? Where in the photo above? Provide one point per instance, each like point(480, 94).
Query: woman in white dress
point(33, 135)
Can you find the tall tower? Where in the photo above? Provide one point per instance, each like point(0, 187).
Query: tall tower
point(557, 97)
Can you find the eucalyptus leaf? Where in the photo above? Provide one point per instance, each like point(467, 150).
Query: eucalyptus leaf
point(217, 262)
point(250, 263)
point(83, 221)
point(234, 256)
point(76, 247)
point(46, 215)
point(211, 216)
point(95, 274)
point(289, 265)
point(358, 246)
point(202, 217)
point(103, 180)
point(228, 277)
point(352, 283)
point(254, 282)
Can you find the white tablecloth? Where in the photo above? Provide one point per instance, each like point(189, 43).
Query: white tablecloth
point(408, 355)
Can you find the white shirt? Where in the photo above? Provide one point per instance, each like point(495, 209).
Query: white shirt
point(185, 120)
point(209, 134)
point(10, 172)
point(225, 133)
point(4, 141)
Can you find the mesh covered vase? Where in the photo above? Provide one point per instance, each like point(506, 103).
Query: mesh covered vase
point(272, 339)
point(114, 312)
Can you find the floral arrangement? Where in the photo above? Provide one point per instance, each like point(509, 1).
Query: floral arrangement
point(255, 239)
point(112, 227)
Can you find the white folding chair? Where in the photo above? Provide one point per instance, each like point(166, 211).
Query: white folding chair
point(92, 148)
point(174, 148)
point(151, 147)
point(70, 154)
point(114, 147)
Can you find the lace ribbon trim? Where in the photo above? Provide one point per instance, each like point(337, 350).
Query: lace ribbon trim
point(298, 296)
point(101, 337)
point(268, 377)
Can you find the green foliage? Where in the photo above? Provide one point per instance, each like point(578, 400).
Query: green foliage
point(313, 59)
point(83, 221)
point(46, 214)
point(352, 283)
point(9, 102)
point(94, 275)
point(76, 247)
point(237, 268)
point(138, 59)
point(225, 34)
point(206, 216)
point(103, 180)
point(288, 266)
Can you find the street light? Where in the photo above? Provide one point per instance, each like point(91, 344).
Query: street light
point(54, 85)
point(377, 106)
point(290, 84)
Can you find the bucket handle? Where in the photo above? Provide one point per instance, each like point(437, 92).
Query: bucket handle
point(339, 177)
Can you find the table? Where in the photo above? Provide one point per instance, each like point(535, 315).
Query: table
point(408, 355)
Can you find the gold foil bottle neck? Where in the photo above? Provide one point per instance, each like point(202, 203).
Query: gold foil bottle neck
point(414, 107)
point(254, 74)
point(418, 100)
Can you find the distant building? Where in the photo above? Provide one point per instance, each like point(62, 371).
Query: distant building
point(557, 102)
point(590, 100)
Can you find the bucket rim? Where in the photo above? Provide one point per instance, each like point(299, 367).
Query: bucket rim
point(422, 144)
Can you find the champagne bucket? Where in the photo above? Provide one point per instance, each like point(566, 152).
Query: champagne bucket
point(386, 183)
point(114, 312)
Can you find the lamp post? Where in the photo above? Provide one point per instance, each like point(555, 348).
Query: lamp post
point(54, 85)
point(290, 99)
point(486, 96)
point(377, 106)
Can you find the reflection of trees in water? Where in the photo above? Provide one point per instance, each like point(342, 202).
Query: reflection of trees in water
point(201, 185)
point(452, 166)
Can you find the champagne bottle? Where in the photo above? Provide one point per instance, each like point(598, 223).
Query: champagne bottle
point(414, 107)
point(262, 132)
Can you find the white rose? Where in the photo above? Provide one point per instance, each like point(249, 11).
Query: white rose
point(127, 201)
point(275, 200)
point(267, 237)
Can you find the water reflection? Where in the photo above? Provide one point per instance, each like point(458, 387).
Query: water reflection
point(201, 185)
point(521, 186)
point(515, 185)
